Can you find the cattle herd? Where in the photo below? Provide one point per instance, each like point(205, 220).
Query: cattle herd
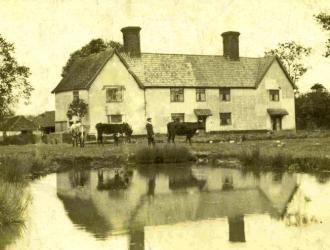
point(175, 128)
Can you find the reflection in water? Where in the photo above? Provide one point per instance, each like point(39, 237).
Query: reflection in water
point(228, 183)
point(188, 180)
point(120, 180)
point(151, 186)
point(236, 229)
point(131, 209)
point(231, 206)
point(78, 178)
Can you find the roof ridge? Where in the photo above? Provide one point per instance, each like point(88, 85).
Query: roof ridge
point(184, 54)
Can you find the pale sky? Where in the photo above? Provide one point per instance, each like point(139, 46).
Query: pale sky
point(45, 32)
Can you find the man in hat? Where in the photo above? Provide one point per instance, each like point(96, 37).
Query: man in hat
point(150, 132)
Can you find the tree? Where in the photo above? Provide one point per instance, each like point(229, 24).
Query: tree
point(77, 107)
point(291, 55)
point(324, 19)
point(14, 83)
point(313, 108)
point(94, 46)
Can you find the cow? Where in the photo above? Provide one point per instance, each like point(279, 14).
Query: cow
point(182, 128)
point(104, 128)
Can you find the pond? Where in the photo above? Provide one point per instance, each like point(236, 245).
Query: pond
point(177, 207)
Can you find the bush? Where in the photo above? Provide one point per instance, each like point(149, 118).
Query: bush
point(166, 154)
point(251, 158)
point(21, 139)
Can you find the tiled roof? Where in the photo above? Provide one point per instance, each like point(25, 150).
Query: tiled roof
point(171, 70)
point(46, 119)
point(83, 72)
point(17, 123)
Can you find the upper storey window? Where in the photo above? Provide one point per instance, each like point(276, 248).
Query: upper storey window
point(114, 94)
point(225, 94)
point(177, 95)
point(274, 95)
point(200, 95)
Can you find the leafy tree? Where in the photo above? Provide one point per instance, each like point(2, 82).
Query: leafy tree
point(291, 55)
point(77, 107)
point(94, 46)
point(14, 83)
point(324, 19)
point(313, 108)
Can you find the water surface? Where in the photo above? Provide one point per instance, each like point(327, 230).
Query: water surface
point(178, 207)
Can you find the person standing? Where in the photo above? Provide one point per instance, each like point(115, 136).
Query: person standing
point(150, 132)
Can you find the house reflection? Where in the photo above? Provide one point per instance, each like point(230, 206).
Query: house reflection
point(171, 197)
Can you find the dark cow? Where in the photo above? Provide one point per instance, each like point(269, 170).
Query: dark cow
point(182, 128)
point(104, 128)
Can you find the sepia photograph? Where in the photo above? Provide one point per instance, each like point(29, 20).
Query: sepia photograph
point(164, 125)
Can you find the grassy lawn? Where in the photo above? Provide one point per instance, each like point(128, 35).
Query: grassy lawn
point(307, 147)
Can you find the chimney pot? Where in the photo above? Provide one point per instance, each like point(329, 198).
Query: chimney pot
point(131, 37)
point(231, 45)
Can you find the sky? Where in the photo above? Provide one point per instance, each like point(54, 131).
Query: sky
point(45, 32)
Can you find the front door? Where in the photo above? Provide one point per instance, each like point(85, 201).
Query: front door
point(276, 123)
point(202, 118)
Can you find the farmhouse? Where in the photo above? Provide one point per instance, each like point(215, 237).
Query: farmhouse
point(227, 92)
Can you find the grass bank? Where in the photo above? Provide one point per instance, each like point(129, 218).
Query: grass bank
point(307, 154)
point(13, 198)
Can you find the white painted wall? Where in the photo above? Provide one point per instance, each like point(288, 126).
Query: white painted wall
point(132, 108)
point(276, 79)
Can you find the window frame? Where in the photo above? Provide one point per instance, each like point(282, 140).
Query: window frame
point(200, 93)
point(272, 95)
point(222, 119)
point(75, 95)
point(173, 115)
point(108, 98)
point(173, 92)
point(223, 96)
point(112, 122)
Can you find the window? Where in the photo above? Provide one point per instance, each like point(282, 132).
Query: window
point(225, 119)
point(225, 94)
point(115, 118)
point(274, 95)
point(114, 94)
point(177, 95)
point(200, 95)
point(75, 95)
point(177, 117)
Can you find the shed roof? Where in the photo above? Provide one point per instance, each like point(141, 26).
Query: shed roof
point(17, 123)
point(172, 70)
point(46, 119)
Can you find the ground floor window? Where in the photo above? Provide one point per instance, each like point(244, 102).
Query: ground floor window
point(115, 118)
point(177, 117)
point(225, 119)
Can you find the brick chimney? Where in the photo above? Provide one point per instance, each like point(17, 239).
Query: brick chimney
point(131, 37)
point(231, 45)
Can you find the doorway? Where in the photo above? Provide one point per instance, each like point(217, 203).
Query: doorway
point(276, 123)
point(202, 118)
